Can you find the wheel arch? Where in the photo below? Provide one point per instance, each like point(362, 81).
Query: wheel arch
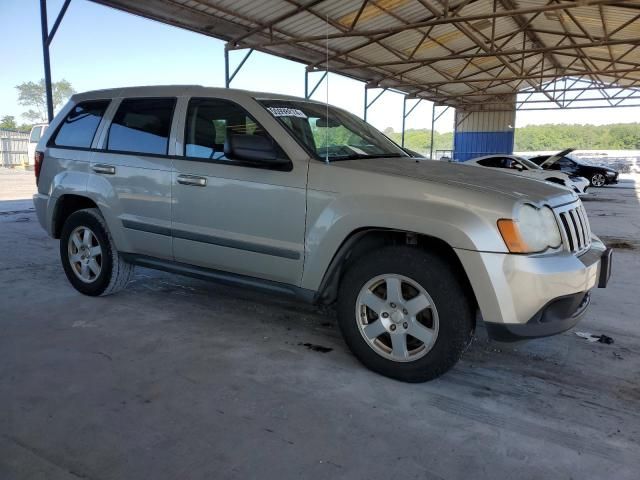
point(65, 205)
point(366, 239)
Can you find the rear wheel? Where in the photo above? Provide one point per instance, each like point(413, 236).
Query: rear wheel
point(405, 314)
point(598, 180)
point(89, 257)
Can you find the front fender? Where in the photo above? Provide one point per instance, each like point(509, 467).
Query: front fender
point(331, 219)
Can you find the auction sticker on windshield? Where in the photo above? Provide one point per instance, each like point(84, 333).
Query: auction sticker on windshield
point(286, 112)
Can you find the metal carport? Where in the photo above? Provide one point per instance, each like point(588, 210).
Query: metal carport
point(485, 58)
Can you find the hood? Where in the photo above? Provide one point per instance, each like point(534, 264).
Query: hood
point(555, 157)
point(464, 176)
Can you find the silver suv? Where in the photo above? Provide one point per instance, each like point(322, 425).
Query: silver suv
point(295, 197)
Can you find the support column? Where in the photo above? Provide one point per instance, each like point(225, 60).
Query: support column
point(367, 103)
point(229, 78)
point(484, 132)
point(45, 58)
point(47, 38)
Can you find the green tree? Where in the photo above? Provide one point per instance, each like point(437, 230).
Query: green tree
point(33, 94)
point(8, 122)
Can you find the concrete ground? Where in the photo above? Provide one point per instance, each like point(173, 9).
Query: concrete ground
point(178, 378)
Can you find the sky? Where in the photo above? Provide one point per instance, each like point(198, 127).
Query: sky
point(98, 47)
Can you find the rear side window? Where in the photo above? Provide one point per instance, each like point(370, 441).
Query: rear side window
point(209, 121)
point(80, 126)
point(142, 125)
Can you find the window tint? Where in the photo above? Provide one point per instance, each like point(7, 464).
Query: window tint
point(81, 124)
point(142, 125)
point(35, 134)
point(495, 162)
point(210, 121)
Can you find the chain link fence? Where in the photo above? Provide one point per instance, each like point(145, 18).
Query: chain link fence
point(13, 148)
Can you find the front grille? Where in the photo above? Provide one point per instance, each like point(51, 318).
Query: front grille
point(576, 233)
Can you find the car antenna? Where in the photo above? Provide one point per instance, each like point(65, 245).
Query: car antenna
point(326, 66)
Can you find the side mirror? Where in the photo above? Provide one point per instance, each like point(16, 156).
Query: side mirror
point(252, 148)
point(519, 167)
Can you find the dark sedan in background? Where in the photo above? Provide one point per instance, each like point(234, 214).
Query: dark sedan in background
point(596, 174)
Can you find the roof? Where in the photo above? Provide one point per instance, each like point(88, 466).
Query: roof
point(463, 53)
point(181, 90)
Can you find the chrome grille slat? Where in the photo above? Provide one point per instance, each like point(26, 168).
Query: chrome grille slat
point(578, 227)
point(574, 226)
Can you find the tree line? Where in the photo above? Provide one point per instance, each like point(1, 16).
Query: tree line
point(618, 136)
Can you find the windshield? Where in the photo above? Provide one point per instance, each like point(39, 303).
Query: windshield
point(529, 164)
point(342, 136)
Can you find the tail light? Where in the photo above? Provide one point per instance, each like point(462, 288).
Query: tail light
point(38, 158)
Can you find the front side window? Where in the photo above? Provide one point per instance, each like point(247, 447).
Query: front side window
point(80, 126)
point(142, 125)
point(210, 121)
point(494, 162)
point(336, 136)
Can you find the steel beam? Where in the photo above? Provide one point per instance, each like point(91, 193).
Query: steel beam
point(229, 78)
point(442, 21)
point(368, 104)
point(308, 94)
point(45, 58)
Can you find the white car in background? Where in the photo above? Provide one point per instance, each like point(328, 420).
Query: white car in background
point(34, 137)
point(526, 168)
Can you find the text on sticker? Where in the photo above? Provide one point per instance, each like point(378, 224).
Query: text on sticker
point(286, 112)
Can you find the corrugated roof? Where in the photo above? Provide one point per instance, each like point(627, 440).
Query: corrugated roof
point(454, 52)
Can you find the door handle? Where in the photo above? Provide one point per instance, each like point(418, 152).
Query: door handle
point(192, 180)
point(104, 169)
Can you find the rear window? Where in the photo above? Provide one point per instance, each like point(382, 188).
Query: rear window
point(80, 126)
point(142, 125)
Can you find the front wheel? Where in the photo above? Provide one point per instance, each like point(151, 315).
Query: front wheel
point(89, 256)
point(405, 313)
point(598, 180)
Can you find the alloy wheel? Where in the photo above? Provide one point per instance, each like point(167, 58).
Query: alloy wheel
point(397, 317)
point(85, 254)
point(598, 180)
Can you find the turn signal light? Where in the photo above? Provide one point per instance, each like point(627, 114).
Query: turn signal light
point(37, 164)
point(511, 236)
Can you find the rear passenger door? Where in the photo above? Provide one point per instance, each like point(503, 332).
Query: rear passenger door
point(232, 216)
point(132, 174)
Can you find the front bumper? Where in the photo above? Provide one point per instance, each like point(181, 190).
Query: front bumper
point(527, 296)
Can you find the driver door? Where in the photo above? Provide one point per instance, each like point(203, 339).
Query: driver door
point(232, 216)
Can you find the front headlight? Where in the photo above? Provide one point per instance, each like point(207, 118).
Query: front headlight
point(533, 230)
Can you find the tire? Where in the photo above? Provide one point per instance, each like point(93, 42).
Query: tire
point(597, 180)
point(451, 326)
point(90, 272)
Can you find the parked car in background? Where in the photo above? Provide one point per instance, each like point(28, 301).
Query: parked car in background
point(598, 175)
point(526, 168)
point(297, 197)
point(34, 137)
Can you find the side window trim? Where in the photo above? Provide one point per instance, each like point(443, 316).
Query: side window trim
point(181, 137)
point(101, 135)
